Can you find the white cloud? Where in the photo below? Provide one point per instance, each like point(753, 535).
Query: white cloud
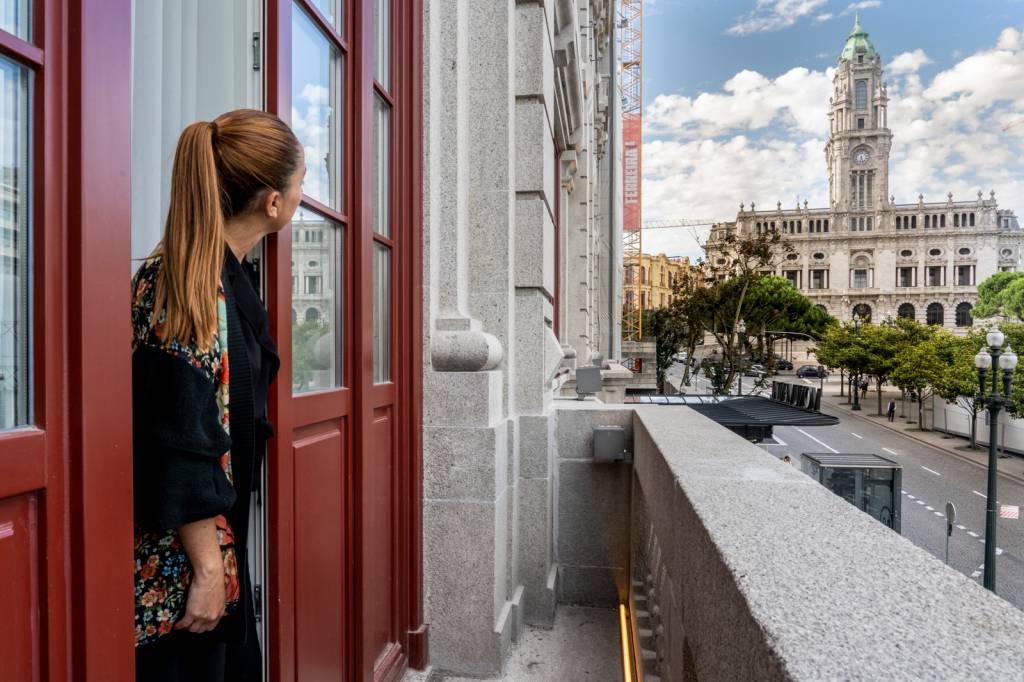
point(761, 139)
point(863, 4)
point(773, 15)
point(822, 18)
point(908, 62)
point(311, 118)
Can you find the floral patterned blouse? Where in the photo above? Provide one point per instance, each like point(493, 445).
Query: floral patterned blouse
point(162, 569)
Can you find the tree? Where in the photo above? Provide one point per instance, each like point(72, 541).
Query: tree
point(842, 346)
point(304, 357)
point(740, 258)
point(958, 383)
point(774, 305)
point(918, 369)
point(1001, 295)
point(670, 332)
point(882, 343)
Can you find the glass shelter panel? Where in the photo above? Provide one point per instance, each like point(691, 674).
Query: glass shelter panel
point(15, 273)
point(317, 328)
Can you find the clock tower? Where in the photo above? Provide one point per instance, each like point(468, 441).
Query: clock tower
point(859, 137)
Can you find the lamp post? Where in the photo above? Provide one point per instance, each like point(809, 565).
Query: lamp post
point(856, 383)
point(741, 329)
point(993, 357)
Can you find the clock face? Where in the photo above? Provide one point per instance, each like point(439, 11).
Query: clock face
point(861, 157)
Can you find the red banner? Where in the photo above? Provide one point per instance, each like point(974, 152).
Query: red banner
point(632, 139)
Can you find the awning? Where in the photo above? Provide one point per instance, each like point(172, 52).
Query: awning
point(741, 411)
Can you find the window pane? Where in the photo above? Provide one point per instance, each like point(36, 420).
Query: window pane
point(316, 110)
point(381, 313)
point(382, 37)
point(16, 18)
point(15, 318)
point(332, 11)
point(382, 165)
point(317, 330)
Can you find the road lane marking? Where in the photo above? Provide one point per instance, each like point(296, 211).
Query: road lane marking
point(972, 533)
point(829, 447)
point(920, 501)
point(999, 550)
point(961, 527)
point(910, 497)
point(938, 513)
point(981, 540)
point(891, 452)
point(856, 436)
point(979, 494)
point(930, 508)
point(779, 440)
point(931, 471)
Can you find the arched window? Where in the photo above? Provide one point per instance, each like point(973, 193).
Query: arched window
point(934, 314)
point(963, 315)
point(906, 311)
point(864, 310)
point(821, 307)
point(312, 315)
point(860, 95)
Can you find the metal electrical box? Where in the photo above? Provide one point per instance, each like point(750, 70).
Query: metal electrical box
point(610, 444)
point(588, 380)
point(869, 482)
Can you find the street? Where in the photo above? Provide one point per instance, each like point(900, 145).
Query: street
point(931, 478)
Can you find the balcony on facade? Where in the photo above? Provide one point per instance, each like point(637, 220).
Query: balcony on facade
point(733, 565)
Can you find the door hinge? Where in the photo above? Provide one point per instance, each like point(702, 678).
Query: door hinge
point(256, 54)
point(257, 602)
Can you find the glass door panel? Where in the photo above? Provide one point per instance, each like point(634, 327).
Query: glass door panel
point(15, 257)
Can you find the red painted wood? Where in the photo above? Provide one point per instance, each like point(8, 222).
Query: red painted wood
point(98, 327)
point(361, 483)
point(20, 631)
point(319, 553)
point(281, 654)
point(20, 50)
point(22, 464)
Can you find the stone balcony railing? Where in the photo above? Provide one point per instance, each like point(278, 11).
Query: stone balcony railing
point(743, 568)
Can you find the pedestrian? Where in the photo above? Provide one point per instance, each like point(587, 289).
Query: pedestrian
point(196, 304)
point(892, 409)
point(864, 388)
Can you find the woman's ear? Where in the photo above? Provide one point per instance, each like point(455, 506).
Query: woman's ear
point(272, 204)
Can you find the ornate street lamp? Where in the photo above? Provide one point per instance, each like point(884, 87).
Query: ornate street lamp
point(856, 383)
point(741, 329)
point(993, 357)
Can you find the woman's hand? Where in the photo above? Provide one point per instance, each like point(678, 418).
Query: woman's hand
point(205, 604)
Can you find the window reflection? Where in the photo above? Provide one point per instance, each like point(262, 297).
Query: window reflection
point(381, 313)
point(316, 81)
point(382, 36)
point(16, 18)
point(316, 302)
point(15, 379)
point(382, 166)
point(332, 11)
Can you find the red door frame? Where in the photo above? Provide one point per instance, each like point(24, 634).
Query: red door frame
point(71, 471)
point(296, 417)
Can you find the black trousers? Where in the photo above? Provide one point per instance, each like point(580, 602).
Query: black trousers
point(188, 657)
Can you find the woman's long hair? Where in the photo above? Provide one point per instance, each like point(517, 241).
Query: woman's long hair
point(221, 169)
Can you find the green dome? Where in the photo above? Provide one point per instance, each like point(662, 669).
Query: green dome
point(857, 42)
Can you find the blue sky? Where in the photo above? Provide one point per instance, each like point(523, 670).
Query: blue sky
point(737, 93)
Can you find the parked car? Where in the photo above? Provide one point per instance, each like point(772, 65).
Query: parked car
point(812, 372)
point(783, 363)
point(755, 371)
point(681, 356)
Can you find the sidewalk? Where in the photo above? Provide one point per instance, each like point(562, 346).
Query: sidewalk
point(1011, 467)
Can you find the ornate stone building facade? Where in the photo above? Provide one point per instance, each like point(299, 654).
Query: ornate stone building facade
point(656, 279)
point(865, 252)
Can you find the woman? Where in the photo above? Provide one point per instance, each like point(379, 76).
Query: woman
point(196, 311)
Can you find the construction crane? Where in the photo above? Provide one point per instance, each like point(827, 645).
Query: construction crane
point(631, 18)
point(679, 222)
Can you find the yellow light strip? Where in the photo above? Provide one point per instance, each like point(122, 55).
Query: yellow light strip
point(627, 662)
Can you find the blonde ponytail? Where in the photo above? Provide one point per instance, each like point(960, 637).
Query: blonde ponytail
point(193, 243)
